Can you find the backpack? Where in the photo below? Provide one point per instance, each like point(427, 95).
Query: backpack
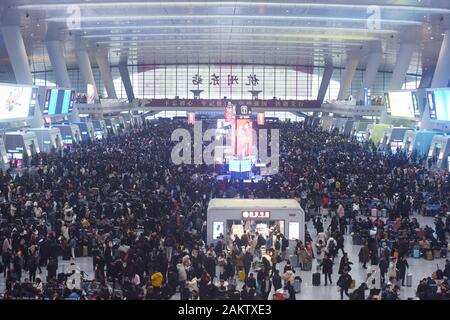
point(277, 245)
point(331, 246)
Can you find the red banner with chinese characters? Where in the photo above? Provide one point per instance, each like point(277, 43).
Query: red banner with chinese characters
point(220, 103)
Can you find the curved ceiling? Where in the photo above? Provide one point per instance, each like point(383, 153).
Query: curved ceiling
point(271, 32)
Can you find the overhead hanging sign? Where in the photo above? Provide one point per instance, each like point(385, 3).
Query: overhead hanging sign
point(220, 103)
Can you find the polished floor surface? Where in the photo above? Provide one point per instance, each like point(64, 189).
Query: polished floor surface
point(419, 268)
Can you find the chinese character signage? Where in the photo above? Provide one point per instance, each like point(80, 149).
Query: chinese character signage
point(219, 103)
point(256, 214)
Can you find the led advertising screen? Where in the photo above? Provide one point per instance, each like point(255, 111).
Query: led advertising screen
point(228, 113)
point(438, 102)
point(91, 93)
point(244, 137)
point(59, 101)
point(260, 118)
point(246, 165)
point(191, 118)
point(17, 102)
point(403, 104)
point(234, 166)
point(387, 103)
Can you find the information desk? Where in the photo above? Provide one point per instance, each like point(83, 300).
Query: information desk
point(228, 217)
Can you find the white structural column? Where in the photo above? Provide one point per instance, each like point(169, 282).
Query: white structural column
point(125, 75)
point(18, 56)
point(85, 66)
point(347, 77)
point(402, 64)
point(326, 78)
point(370, 74)
point(105, 72)
point(441, 76)
point(56, 56)
point(427, 77)
point(442, 73)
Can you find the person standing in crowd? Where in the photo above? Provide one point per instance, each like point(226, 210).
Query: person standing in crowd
point(402, 265)
point(364, 255)
point(327, 269)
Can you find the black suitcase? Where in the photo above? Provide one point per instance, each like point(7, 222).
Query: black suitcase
point(316, 279)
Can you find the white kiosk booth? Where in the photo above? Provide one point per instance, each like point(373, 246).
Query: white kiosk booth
point(236, 216)
point(70, 133)
point(48, 138)
point(440, 148)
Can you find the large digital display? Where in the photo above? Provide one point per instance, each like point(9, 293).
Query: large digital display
point(228, 113)
point(59, 101)
point(244, 137)
point(260, 118)
point(17, 102)
point(403, 104)
point(438, 102)
point(191, 118)
point(91, 93)
point(234, 166)
point(246, 165)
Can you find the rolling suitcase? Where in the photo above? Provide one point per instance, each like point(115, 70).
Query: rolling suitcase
point(297, 284)
point(85, 251)
point(242, 275)
point(429, 255)
point(416, 252)
point(316, 279)
point(409, 280)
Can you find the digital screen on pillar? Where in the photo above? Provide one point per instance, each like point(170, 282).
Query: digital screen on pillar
point(59, 101)
point(17, 102)
point(403, 104)
point(246, 165)
point(438, 104)
point(234, 166)
point(244, 137)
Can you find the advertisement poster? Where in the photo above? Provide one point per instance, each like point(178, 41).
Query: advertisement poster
point(90, 96)
point(260, 118)
point(15, 102)
point(228, 113)
point(244, 137)
point(191, 118)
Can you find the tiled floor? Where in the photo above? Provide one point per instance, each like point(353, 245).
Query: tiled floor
point(419, 268)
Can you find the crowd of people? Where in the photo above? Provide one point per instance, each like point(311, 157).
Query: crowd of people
point(142, 219)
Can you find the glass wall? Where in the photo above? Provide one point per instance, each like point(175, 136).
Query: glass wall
point(233, 81)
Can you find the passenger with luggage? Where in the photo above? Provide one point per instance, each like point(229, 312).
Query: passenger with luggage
point(344, 283)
